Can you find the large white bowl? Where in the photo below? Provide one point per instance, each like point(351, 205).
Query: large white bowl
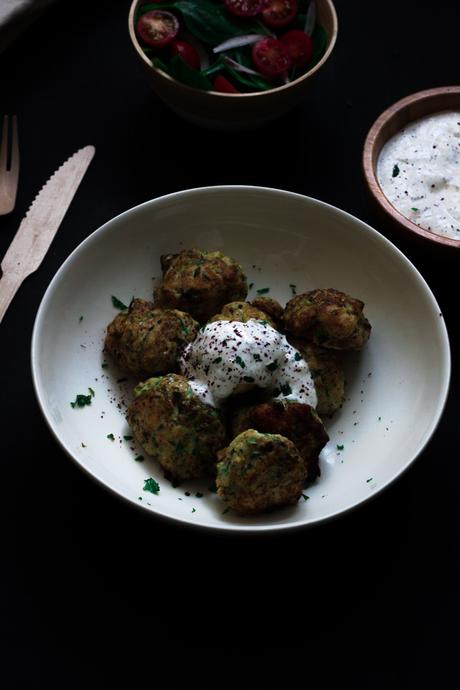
point(396, 387)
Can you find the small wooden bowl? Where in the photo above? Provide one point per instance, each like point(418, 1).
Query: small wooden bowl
point(396, 117)
point(229, 111)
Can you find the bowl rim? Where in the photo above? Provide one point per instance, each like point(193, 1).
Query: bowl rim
point(251, 94)
point(368, 157)
point(228, 528)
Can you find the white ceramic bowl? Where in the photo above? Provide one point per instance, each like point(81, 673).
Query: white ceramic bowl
point(397, 386)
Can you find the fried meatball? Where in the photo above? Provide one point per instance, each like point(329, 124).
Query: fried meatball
point(271, 307)
point(145, 341)
point(327, 370)
point(200, 282)
point(241, 311)
point(299, 423)
point(328, 318)
point(176, 428)
point(260, 472)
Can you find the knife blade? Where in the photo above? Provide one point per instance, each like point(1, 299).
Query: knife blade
point(40, 224)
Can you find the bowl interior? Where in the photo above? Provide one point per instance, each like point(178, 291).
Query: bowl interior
point(391, 121)
point(396, 387)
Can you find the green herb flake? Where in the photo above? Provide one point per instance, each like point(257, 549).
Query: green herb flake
point(111, 437)
point(217, 360)
point(187, 493)
point(81, 400)
point(305, 497)
point(251, 285)
point(199, 494)
point(104, 365)
point(369, 480)
point(396, 171)
point(248, 379)
point(91, 392)
point(286, 389)
point(263, 291)
point(293, 288)
point(128, 438)
point(183, 327)
point(139, 458)
point(83, 445)
point(257, 357)
point(297, 356)
point(151, 485)
point(240, 362)
point(340, 446)
point(80, 319)
point(193, 510)
point(272, 366)
point(415, 209)
point(380, 419)
point(118, 304)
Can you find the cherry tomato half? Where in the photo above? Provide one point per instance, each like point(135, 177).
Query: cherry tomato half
point(157, 28)
point(244, 8)
point(222, 84)
point(278, 13)
point(187, 52)
point(270, 57)
point(299, 47)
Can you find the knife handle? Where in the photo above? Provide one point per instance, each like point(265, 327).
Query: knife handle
point(9, 285)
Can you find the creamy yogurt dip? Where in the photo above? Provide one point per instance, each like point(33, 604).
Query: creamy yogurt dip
point(231, 357)
point(419, 172)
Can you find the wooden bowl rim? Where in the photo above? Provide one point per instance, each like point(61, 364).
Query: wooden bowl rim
point(368, 156)
point(254, 94)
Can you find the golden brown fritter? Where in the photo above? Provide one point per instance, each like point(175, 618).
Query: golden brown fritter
point(200, 282)
point(327, 370)
point(260, 472)
point(241, 311)
point(297, 422)
point(145, 340)
point(176, 428)
point(271, 307)
point(329, 318)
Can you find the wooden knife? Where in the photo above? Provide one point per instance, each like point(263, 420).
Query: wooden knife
point(40, 224)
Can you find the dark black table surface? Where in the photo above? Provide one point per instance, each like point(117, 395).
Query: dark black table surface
point(85, 577)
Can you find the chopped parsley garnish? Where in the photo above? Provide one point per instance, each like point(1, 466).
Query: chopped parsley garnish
point(340, 446)
point(80, 319)
point(263, 291)
point(104, 365)
point(118, 304)
point(286, 389)
point(139, 458)
point(369, 480)
point(91, 392)
point(251, 285)
point(151, 485)
point(184, 327)
point(395, 172)
point(217, 360)
point(240, 362)
point(111, 437)
point(82, 400)
point(272, 366)
point(199, 494)
point(297, 356)
point(187, 493)
point(257, 357)
point(305, 497)
point(293, 288)
point(414, 209)
point(193, 510)
point(128, 438)
point(83, 445)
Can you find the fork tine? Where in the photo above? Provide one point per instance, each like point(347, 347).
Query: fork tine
point(4, 143)
point(14, 165)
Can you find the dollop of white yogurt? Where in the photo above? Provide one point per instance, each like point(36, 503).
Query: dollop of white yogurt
point(419, 172)
point(230, 357)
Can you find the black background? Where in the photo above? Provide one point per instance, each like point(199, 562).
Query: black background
point(86, 579)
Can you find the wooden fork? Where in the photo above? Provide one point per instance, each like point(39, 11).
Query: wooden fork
point(9, 165)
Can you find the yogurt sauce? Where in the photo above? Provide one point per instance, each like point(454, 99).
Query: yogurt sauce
point(419, 172)
point(231, 357)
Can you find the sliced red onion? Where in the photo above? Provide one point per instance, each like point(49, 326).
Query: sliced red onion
point(241, 68)
point(199, 47)
point(310, 19)
point(238, 42)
